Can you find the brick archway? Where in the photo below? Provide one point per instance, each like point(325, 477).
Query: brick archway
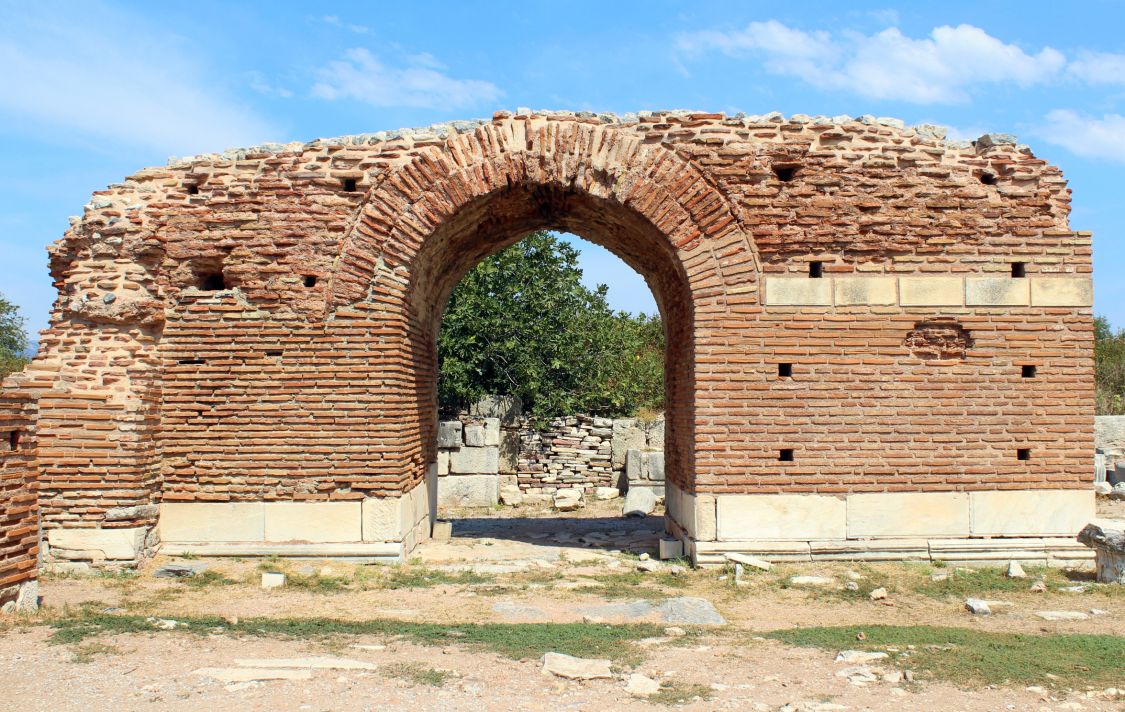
point(241, 354)
point(424, 225)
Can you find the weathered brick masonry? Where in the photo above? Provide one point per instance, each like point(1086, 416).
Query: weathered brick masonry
point(247, 338)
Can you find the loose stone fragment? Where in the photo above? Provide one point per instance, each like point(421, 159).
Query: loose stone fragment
point(640, 685)
point(573, 668)
point(977, 607)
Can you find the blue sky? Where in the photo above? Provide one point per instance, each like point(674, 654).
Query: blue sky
point(91, 91)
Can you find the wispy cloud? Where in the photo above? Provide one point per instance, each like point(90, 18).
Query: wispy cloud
point(137, 90)
point(335, 21)
point(419, 82)
point(1099, 67)
point(942, 68)
point(1089, 136)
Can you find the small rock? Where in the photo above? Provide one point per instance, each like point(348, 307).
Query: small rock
point(511, 495)
point(860, 657)
point(644, 557)
point(938, 577)
point(751, 561)
point(1015, 570)
point(640, 685)
point(568, 500)
point(573, 668)
point(859, 675)
point(179, 570)
point(977, 607)
point(649, 566)
point(851, 586)
point(1102, 488)
point(1073, 589)
point(878, 594)
point(606, 493)
point(1038, 587)
point(639, 502)
point(272, 579)
point(1098, 612)
point(673, 631)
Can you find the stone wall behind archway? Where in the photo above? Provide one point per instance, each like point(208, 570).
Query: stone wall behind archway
point(295, 405)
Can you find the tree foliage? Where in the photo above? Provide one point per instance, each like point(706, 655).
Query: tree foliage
point(521, 323)
point(1109, 368)
point(13, 339)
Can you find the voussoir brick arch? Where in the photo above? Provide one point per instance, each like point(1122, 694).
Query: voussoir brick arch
point(426, 223)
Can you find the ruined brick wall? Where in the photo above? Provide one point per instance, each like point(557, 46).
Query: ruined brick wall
point(260, 324)
point(19, 520)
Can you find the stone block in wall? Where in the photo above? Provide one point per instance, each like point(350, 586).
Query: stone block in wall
point(509, 451)
point(475, 461)
point(507, 409)
point(474, 435)
point(469, 490)
point(1109, 436)
point(126, 544)
point(442, 463)
point(491, 431)
point(627, 435)
point(654, 434)
point(449, 434)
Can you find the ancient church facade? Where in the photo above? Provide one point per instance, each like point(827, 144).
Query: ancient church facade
point(879, 341)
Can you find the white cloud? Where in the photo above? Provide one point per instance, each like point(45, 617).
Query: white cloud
point(941, 68)
point(62, 72)
point(1099, 67)
point(360, 76)
point(335, 21)
point(1086, 136)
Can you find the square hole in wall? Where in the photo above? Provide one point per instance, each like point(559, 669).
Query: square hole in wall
point(349, 184)
point(1027, 371)
point(784, 370)
point(1024, 453)
point(816, 270)
point(310, 280)
point(785, 454)
point(1019, 270)
point(14, 440)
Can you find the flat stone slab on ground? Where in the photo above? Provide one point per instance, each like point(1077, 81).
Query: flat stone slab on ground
point(247, 674)
point(508, 609)
point(689, 610)
point(575, 668)
point(1062, 615)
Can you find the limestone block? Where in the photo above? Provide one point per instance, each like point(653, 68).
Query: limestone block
point(1062, 292)
point(211, 521)
point(1107, 538)
point(474, 435)
point(931, 291)
point(113, 544)
point(996, 291)
point(443, 462)
point(627, 435)
point(507, 408)
point(798, 291)
point(449, 434)
point(1031, 512)
point(865, 290)
point(654, 433)
point(382, 518)
point(509, 451)
point(634, 462)
point(475, 461)
point(469, 490)
point(907, 514)
point(781, 516)
point(319, 522)
point(492, 431)
point(652, 466)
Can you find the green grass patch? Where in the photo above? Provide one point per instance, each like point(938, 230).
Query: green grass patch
point(515, 641)
point(86, 652)
point(678, 693)
point(971, 657)
point(417, 674)
point(636, 584)
point(414, 577)
point(206, 579)
point(975, 582)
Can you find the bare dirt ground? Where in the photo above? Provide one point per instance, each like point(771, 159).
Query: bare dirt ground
point(514, 574)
